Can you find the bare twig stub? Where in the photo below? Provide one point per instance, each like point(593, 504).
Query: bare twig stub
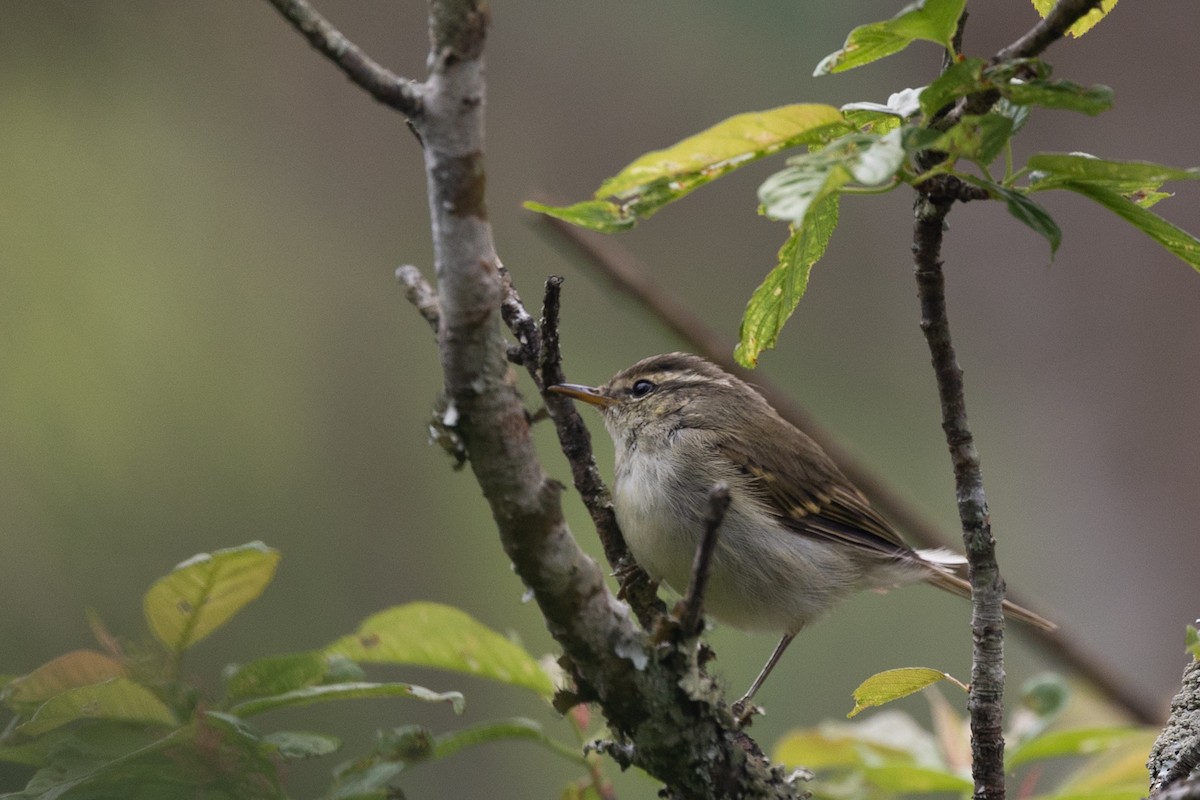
point(418, 292)
point(523, 327)
point(691, 606)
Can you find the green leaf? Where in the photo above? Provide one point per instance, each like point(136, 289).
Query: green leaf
point(68, 671)
point(960, 80)
point(976, 138)
point(930, 20)
point(499, 730)
point(1053, 170)
point(604, 216)
point(884, 687)
point(774, 301)
point(344, 691)
point(115, 699)
point(204, 592)
point(1090, 100)
point(93, 740)
point(299, 745)
point(1024, 210)
point(1174, 239)
point(865, 120)
point(1191, 642)
point(277, 674)
point(366, 780)
point(209, 759)
point(663, 176)
point(908, 779)
point(1086, 22)
point(433, 635)
point(1077, 742)
point(868, 159)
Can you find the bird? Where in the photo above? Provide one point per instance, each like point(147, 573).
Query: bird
point(798, 536)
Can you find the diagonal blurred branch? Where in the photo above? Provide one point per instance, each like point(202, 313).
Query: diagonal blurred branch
point(627, 275)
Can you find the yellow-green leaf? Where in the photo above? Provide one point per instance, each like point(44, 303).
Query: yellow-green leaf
point(727, 145)
point(930, 20)
point(68, 671)
point(884, 687)
point(663, 176)
point(204, 592)
point(1084, 23)
point(116, 699)
point(1191, 641)
point(433, 635)
point(815, 748)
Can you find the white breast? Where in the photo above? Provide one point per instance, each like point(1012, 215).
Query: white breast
point(764, 577)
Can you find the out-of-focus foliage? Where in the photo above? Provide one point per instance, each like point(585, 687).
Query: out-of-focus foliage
point(889, 754)
point(124, 723)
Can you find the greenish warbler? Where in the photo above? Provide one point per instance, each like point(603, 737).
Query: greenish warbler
point(798, 536)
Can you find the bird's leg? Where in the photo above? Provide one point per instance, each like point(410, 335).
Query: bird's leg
point(740, 712)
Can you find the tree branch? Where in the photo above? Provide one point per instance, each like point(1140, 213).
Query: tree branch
point(678, 731)
point(392, 90)
point(987, 587)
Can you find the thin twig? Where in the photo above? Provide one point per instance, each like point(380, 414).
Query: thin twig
point(691, 606)
point(576, 443)
point(388, 88)
point(629, 277)
point(987, 587)
point(418, 292)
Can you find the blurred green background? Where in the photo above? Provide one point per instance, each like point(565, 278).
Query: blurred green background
point(202, 344)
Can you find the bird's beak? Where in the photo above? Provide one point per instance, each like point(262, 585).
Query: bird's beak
point(593, 395)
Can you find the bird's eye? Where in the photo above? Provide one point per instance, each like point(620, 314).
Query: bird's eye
point(641, 388)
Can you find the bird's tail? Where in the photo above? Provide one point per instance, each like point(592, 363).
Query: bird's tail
point(941, 577)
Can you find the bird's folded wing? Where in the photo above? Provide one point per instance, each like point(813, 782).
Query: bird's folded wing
point(811, 497)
